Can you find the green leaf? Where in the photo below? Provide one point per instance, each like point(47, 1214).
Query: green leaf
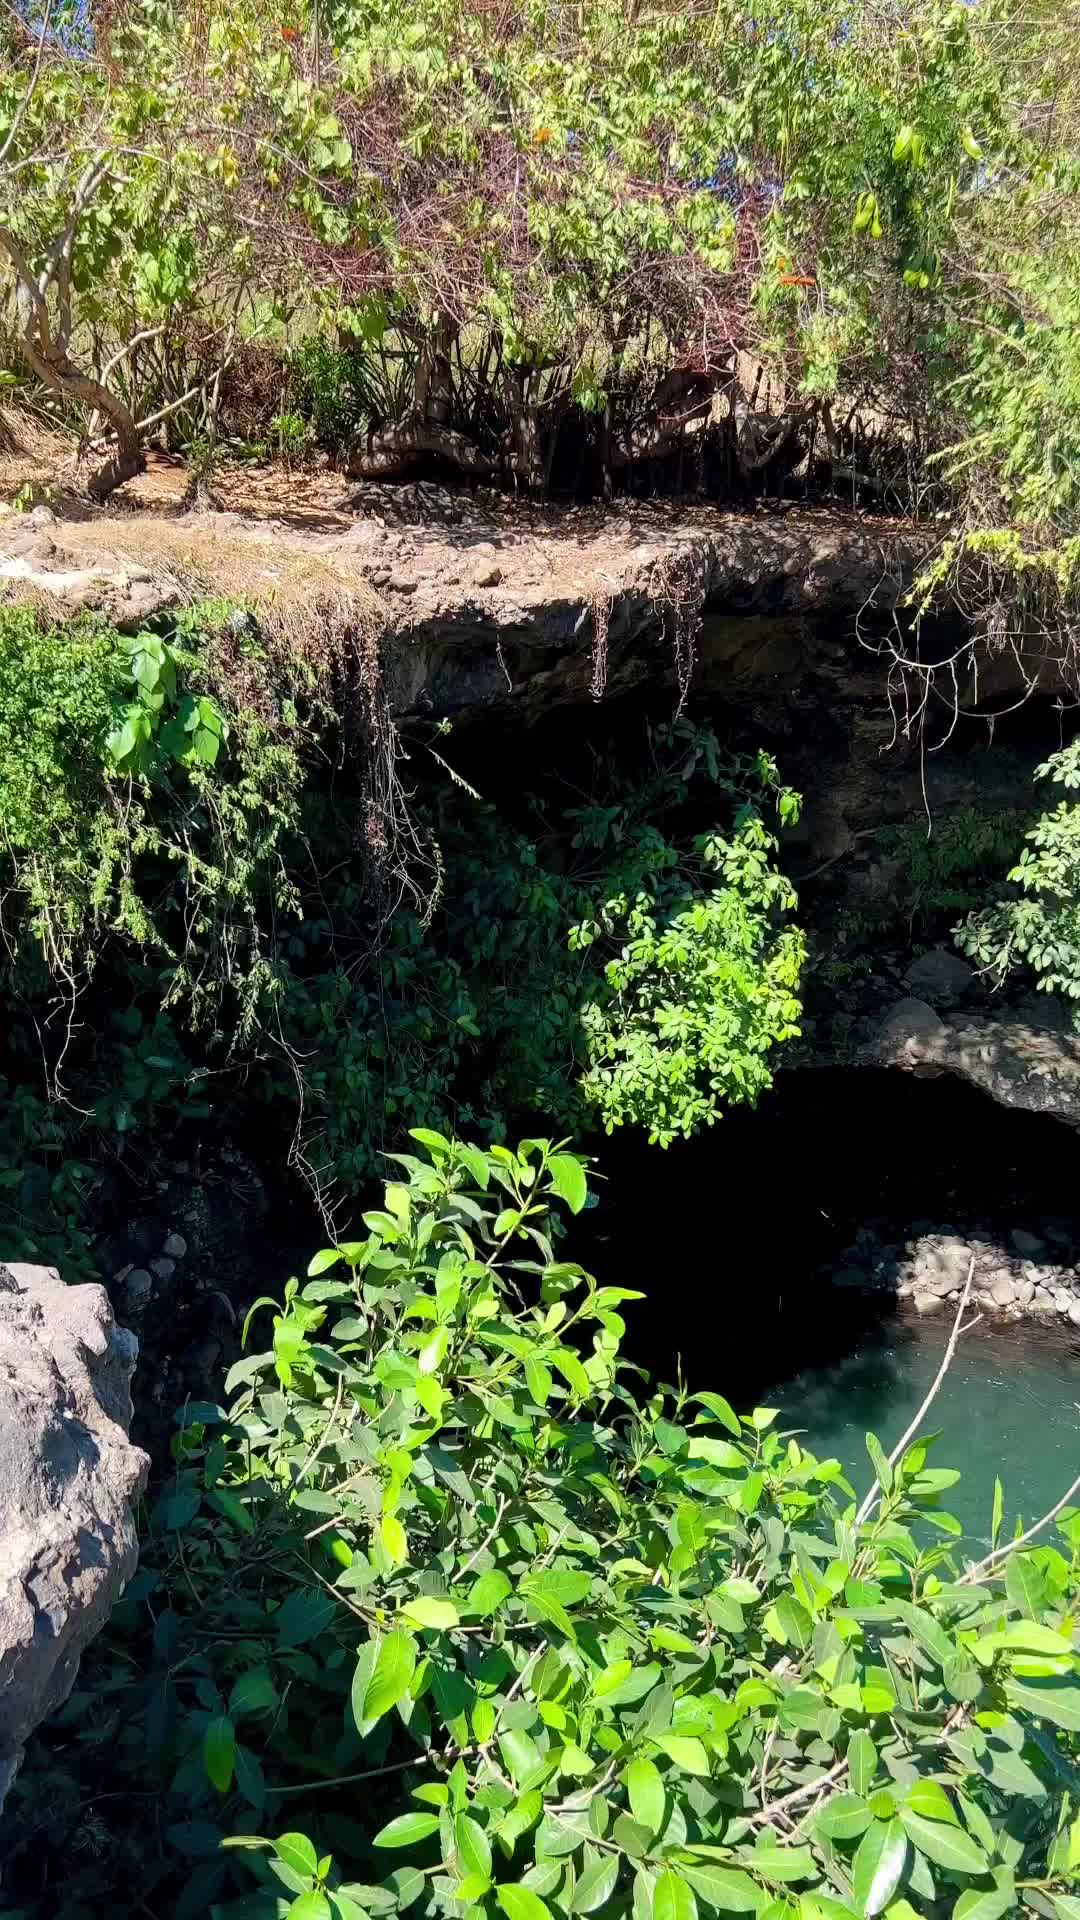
point(392, 1535)
point(1025, 1585)
point(862, 1761)
point(253, 1692)
point(997, 1513)
point(406, 1830)
point(572, 1372)
point(844, 1817)
point(795, 1623)
point(296, 1851)
point(520, 1752)
point(673, 1899)
point(596, 1885)
point(219, 1752)
point(304, 1615)
point(724, 1888)
point(1052, 1699)
point(721, 1411)
point(782, 1863)
point(925, 1797)
point(882, 1470)
point(395, 1665)
point(948, 1846)
point(437, 1143)
point(426, 1612)
point(645, 1791)
point(312, 1905)
point(322, 1261)
point(879, 1862)
point(473, 1848)
point(567, 1176)
point(686, 1751)
point(974, 1905)
point(521, 1903)
point(472, 1887)
point(488, 1592)
point(538, 1380)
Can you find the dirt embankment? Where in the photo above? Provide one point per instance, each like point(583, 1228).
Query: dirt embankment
point(478, 598)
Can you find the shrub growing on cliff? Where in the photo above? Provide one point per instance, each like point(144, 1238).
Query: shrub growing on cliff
point(160, 802)
point(1037, 926)
point(605, 963)
point(439, 1614)
point(141, 798)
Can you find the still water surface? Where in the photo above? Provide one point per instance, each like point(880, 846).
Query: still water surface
point(1010, 1406)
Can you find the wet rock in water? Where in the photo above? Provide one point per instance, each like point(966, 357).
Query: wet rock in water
point(1003, 1290)
point(939, 977)
point(1027, 1244)
point(926, 1303)
point(940, 1281)
point(68, 1478)
point(163, 1269)
point(175, 1247)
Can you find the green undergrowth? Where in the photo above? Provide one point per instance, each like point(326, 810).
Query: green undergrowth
point(1033, 926)
point(207, 918)
point(446, 1609)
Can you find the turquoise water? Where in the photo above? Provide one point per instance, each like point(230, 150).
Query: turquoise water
point(1010, 1406)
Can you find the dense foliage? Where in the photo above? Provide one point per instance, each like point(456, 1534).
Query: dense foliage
point(1036, 925)
point(628, 959)
point(512, 217)
point(439, 1614)
point(600, 961)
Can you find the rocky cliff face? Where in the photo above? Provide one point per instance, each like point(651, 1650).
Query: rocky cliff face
point(68, 1480)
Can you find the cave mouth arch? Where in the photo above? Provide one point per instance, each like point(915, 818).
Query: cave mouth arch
point(734, 1236)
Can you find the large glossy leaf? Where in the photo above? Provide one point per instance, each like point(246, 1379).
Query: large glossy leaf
point(976, 1905)
point(426, 1612)
point(878, 1866)
point(1025, 1585)
point(672, 1898)
point(567, 1176)
point(594, 1888)
point(931, 1800)
point(473, 1847)
point(948, 1846)
point(1055, 1700)
point(297, 1852)
point(844, 1817)
point(488, 1592)
point(394, 1667)
point(406, 1830)
point(521, 1903)
point(723, 1888)
point(862, 1761)
point(645, 1790)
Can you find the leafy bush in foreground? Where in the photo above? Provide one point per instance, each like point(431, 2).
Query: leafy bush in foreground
point(464, 1627)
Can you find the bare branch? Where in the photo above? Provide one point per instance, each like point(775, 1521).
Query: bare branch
point(910, 1431)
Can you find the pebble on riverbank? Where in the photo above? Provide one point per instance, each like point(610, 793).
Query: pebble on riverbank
point(1015, 1276)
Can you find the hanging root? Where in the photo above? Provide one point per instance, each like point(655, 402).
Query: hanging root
point(678, 585)
point(600, 609)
